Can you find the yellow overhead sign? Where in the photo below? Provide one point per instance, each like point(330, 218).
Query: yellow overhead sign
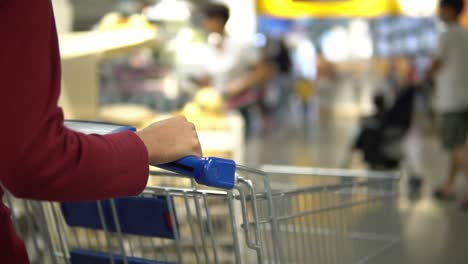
point(328, 8)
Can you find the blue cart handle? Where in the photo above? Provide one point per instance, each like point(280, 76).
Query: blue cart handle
point(213, 172)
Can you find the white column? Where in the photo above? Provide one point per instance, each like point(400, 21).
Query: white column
point(242, 23)
point(63, 11)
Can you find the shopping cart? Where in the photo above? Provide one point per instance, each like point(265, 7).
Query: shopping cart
point(277, 215)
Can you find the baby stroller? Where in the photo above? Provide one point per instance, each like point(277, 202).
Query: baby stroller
point(380, 136)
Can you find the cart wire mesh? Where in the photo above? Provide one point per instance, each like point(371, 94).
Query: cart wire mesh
point(281, 214)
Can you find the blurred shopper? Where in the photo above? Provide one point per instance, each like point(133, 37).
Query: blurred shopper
point(269, 96)
point(450, 70)
point(412, 145)
point(231, 67)
point(390, 138)
point(382, 134)
point(43, 160)
point(405, 85)
point(275, 93)
point(281, 57)
point(305, 69)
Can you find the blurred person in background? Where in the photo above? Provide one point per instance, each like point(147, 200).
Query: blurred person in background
point(233, 68)
point(305, 68)
point(281, 57)
point(276, 89)
point(409, 92)
point(450, 71)
point(384, 136)
point(43, 160)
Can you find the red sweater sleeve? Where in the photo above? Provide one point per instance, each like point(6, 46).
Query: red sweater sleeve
point(41, 159)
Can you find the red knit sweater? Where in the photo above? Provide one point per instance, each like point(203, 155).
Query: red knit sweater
point(39, 158)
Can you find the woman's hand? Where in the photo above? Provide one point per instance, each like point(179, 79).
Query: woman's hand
point(170, 140)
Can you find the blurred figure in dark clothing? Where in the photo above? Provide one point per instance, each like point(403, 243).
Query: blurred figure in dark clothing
point(276, 94)
point(284, 64)
point(391, 135)
point(381, 134)
point(282, 57)
point(380, 109)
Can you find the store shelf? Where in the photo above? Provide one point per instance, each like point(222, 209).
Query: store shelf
point(81, 54)
point(79, 44)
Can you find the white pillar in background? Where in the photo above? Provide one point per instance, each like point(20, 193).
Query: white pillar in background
point(242, 23)
point(63, 11)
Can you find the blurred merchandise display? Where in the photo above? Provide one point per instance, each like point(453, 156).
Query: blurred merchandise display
point(397, 36)
point(418, 8)
point(82, 53)
point(115, 21)
point(143, 60)
point(137, 63)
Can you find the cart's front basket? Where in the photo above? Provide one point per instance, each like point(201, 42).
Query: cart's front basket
point(287, 215)
point(328, 215)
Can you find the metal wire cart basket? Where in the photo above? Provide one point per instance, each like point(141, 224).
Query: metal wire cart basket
point(278, 214)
